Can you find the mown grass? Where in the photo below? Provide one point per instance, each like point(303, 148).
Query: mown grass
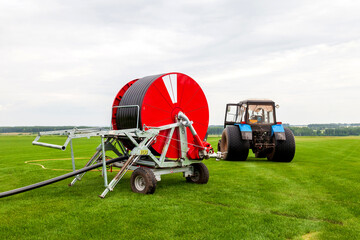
point(316, 196)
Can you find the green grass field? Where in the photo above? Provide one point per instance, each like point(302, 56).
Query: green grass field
point(317, 196)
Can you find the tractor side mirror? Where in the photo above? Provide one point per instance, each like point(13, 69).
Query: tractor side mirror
point(277, 106)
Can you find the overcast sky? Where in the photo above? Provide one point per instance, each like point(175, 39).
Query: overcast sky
point(62, 62)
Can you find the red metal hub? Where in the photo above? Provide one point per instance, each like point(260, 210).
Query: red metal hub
point(175, 112)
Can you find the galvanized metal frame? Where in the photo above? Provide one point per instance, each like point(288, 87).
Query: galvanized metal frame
point(109, 138)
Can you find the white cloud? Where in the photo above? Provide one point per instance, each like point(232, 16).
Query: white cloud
point(64, 61)
point(310, 82)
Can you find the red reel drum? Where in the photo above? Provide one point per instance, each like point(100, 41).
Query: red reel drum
point(160, 98)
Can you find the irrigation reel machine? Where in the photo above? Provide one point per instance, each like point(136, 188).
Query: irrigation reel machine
point(158, 126)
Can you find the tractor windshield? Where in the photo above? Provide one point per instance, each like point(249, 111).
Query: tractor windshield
point(260, 114)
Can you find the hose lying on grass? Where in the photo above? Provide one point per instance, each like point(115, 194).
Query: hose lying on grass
point(59, 178)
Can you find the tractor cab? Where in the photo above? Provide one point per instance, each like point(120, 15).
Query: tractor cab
point(252, 112)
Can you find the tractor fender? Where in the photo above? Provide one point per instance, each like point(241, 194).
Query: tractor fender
point(278, 131)
point(245, 130)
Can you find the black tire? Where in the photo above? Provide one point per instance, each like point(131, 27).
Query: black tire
point(284, 150)
point(232, 146)
point(219, 146)
point(143, 181)
point(201, 174)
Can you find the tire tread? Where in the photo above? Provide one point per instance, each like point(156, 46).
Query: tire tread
point(284, 150)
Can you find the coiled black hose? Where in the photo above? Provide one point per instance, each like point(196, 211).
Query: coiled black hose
point(127, 117)
point(59, 178)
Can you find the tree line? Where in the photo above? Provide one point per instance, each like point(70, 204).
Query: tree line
point(332, 126)
point(313, 130)
point(343, 131)
point(309, 130)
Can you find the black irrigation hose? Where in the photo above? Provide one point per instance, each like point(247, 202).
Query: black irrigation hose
point(127, 117)
point(59, 178)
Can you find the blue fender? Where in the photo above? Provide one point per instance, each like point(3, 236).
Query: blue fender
point(245, 130)
point(279, 131)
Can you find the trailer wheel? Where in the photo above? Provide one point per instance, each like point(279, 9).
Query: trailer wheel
point(143, 181)
point(284, 150)
point(201, 174)
point(232, 146)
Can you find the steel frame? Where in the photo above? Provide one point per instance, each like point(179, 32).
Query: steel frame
point(142, 139)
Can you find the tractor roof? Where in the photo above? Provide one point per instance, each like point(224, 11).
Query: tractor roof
point(253, 100)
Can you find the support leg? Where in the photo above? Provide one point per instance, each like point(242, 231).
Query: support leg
point(72, 156)
point(89, 163)
point(104, 172)
point(119, 175)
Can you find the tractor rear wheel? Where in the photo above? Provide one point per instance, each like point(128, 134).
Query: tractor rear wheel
point(143, 181)
point(232, 146)
point(284, 149)
point(201, 174)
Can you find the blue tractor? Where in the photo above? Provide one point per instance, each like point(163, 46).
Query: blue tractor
point(251, 124)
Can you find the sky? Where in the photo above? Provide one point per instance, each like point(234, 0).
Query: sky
point(62, 62)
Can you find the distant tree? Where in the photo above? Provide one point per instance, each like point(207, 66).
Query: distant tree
point(215, 130)
point(303, 131)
